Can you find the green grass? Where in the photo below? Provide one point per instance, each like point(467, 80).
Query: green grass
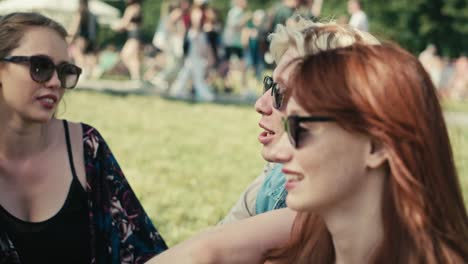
point(456, 106)
point(188, 163)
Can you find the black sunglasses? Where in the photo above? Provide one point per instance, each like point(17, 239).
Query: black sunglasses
point(278, 97)
point(42, 68)
point(292, 126)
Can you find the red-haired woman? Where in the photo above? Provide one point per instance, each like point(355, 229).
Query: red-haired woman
point(368, 163)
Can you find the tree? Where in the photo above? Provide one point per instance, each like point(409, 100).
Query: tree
point(415, 23)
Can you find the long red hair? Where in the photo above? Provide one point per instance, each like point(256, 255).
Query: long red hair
point(384, 92)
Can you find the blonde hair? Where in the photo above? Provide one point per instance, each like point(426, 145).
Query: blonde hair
point(309, 37)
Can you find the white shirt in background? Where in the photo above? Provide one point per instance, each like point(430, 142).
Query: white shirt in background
point(359, 20)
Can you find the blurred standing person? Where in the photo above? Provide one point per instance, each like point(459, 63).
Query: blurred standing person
point(255, 34)
point(170, 39)
point(310, 9)
point(279, 15)
point(131, 22)
point(197, 58)
point(432, 63)
point(212, 27)
point(458, 85)
point(185, 7)
point(235, 22)
point(281, 12)
point(358, 16)
point(232, 37)
point(84, 33)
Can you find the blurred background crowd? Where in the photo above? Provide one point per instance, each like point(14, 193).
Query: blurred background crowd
point(201, 48)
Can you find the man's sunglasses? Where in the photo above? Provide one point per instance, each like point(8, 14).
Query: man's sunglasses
point(292, 126)
point(42, 68)
point(278, 97)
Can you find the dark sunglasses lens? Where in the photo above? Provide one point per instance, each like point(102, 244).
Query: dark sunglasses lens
point(277, 97)
point(267, 83)
point(68, 75)
point(291, 128)
point(42, 69)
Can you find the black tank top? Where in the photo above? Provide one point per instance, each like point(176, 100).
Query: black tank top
point(63, 238)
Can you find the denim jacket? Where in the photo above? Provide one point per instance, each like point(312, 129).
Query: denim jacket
point(265, 193)
point(272, 194)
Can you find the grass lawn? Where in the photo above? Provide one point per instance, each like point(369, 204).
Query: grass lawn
point(456, 106)
point(188, 163)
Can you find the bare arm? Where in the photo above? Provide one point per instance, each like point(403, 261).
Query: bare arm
point(127, 17)
point(245, 241)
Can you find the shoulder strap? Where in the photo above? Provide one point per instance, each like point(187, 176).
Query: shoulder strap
point(69, 149)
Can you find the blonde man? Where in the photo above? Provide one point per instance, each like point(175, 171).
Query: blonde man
point(267, 191)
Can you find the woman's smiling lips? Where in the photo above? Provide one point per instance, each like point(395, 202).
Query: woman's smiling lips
point(292, 179)
point(48, 101)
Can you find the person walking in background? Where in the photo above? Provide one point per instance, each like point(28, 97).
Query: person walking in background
point(63, 196)
point(432, 63)
point(212, 27)
point(197, 60)
point(236, 20)
point(131, 22)
point(358, 16)
point(457, 88)
point(169, 38)
point(84, 36)
point(281, 12)
point(255, 35)
point(310, 9)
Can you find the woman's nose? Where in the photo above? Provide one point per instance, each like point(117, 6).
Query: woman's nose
point(54, 82)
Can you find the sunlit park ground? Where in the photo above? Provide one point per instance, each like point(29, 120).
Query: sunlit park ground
point(187, 162)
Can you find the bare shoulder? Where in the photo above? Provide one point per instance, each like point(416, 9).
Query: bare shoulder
point(133, 9)
point(76, 132)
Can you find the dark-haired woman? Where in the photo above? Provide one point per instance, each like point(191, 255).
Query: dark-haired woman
point(63, 196)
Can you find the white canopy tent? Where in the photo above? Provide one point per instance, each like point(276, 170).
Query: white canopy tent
point(61, 10)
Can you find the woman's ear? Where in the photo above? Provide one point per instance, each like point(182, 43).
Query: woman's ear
point(377, 155)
